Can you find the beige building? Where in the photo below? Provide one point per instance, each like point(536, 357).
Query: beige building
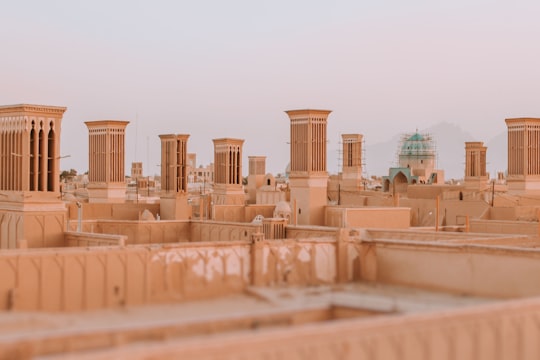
point(228, 188)
point(174, 191)
point(106, 164)
point(136, 170)
point(308, 176)
point(31, 212)
point(114, 282)
point(476, 176)
point(256, 177)
point(351, 175)
point(523, 154)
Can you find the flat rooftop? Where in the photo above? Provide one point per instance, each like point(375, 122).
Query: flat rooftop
point(54, 335)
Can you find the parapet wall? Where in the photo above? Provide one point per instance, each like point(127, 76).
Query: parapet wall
point(475, 270)
point(505, 227)
point(242, 213)
point(75, 279)
point(506, 330)
point(80, 239)
point(78, 279)
point(110, 211)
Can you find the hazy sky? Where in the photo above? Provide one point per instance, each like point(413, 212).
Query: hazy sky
point(230, 68)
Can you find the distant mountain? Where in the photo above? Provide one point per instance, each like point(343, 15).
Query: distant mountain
point(450, 142)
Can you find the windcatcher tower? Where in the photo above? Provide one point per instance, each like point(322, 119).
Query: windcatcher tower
point(308, 178)
point(351, 175)
point(228, 189)
point(106, 165)
point(523, 154)
point(475, 165)
point(174, 173)
point(257, 172)
point(31, 211)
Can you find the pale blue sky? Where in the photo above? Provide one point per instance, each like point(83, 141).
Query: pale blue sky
point(230, 68)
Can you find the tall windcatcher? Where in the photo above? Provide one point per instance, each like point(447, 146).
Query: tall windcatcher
point(351, 174)
point(228, 187)
point(174, 176)
point(308, 178)
point(475, 165)
point(523, 154)
point(32, 213)
point(30, 138)
point(106, 160)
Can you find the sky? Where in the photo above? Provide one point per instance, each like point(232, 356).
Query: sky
point(214, 69)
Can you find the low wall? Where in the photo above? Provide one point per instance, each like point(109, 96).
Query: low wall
point(171, 231)
point(241, 213)
point(146, 232)
point(365, 217)
point(222, 231)
point(76, 279)
point(302, 232)
point(80, 239)
point(292, 262)
point(507, 330)
point(110, 211)
point(475, 270)
point(505, 227)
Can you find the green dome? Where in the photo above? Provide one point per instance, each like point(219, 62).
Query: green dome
point(417, 144)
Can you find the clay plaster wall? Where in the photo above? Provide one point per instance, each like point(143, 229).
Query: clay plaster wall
point(432, 191)
point(242, 213)
point(501, 213)
point(174, 231)
point(220, 231)
point(304, 232)
point(146, 232)
point(73, 279)
point(389, 217)
point(506, 330)
point(83, 279)
point(290, 262)
point(111, 211)
point(462, 269)
point(519, 213)
point(80, 239)
point(451, 212)
point(33, 229)
point(505, 227)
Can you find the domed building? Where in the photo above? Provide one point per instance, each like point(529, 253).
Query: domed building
point(418, 153)
point(417, 156)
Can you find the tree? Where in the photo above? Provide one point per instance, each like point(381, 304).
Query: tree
point(68, 175)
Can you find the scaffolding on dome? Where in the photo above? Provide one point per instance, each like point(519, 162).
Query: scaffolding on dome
point(416, 145)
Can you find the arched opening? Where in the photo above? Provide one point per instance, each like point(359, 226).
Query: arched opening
point(32, 159)
point(386, 185)
point(400, 182)
point(41, 148)
point(268, 182)
point(51, 160)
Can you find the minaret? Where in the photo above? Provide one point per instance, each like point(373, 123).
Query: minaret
point(228, 187)
point(32, 213)
point(106, 164)
point(308, 178)
point(523, 154)
point(475, 165)
point(351, 175)
point(257, 172)
point(174, 173)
